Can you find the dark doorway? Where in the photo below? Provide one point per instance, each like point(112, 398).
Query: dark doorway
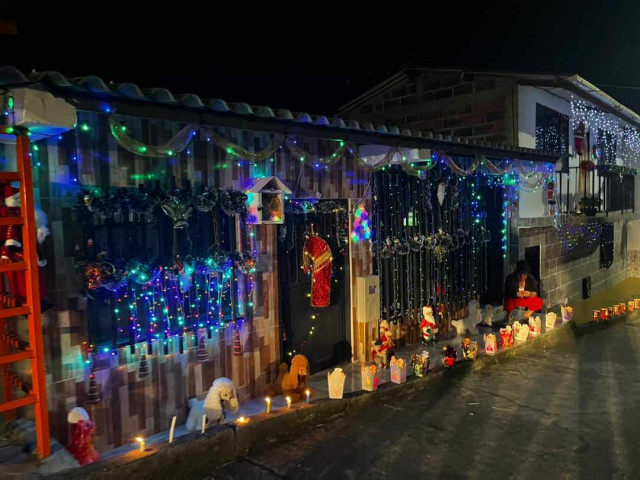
point(330, 332)
point(532, 256)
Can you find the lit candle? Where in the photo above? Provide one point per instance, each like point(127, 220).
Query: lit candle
point(308, 393)
point(204, 422)
point(242, 420)
point(173, 427)
point(140, 440)
point(288, 402)
point(268, 400)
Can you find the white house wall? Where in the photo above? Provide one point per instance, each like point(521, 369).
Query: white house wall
point(534, 204)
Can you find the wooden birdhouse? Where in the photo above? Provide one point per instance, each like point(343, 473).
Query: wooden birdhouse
point(266, 201)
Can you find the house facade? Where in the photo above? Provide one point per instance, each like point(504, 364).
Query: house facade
point(559, 226)
point(178, 249)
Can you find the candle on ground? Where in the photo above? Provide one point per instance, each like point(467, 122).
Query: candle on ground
point(140, 440)
point(288, 402)
point(173, 427)
point(204, 422)
point(268, 400)
point(307, 392)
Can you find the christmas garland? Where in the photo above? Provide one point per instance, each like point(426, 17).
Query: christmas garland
point(112, 274)
point(495, 170)
point(616, 170)
point(178, 204)
point(174, 146)
point(182, 139)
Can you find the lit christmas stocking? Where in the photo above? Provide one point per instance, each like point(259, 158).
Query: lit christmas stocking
point(317, 260)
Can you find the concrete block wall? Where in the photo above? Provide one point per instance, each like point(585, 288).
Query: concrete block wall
point(560, 276)
point(480, 108)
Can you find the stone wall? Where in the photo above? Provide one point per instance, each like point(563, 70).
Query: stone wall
point(561, 276)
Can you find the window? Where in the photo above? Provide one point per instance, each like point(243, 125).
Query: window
point(552, 130)
point(620, 192)
point(608, 147)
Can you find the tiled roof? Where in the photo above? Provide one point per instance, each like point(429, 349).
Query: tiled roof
point(12, 77)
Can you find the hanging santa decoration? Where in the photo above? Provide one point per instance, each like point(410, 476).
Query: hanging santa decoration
point(11, 238)
point(237, 344)
point(143, 369)
point(93, 396)
point(551, 198)
point(317, 261)
point(201, 353)
point(579, 140)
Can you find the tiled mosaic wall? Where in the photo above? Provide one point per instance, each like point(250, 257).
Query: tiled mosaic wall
point(130, 405)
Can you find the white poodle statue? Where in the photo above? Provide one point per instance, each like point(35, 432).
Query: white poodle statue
point(222, 395)
point(469, 322)
point(488, 315)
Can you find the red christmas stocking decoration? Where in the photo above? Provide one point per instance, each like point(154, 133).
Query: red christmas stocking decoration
point(317, 261)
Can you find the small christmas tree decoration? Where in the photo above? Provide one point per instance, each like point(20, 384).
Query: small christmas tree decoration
point(94, 395)
point(237, 345)
point(202, 354)
point(143, 370)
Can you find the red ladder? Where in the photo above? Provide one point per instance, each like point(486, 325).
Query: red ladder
point(12, 349)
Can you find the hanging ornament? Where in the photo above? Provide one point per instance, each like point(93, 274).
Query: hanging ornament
point(443, 245)
point(93, 395)
point(417, 243)
point(177, 211)
point(143, 369)
point(317, 261)
point(442, 191)
point(401, 248)
point(387, 249)
point(237, 344)
point(201, 354)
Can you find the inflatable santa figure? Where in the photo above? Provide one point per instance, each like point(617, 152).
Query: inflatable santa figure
point(428, 326)
point(11, 238)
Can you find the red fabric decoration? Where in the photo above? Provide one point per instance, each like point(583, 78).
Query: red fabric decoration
point(81, 446)
point(587, 166)
point(532, 303)
point(317, 261)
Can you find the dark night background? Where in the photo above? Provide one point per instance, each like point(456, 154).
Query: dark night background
point(315, 57)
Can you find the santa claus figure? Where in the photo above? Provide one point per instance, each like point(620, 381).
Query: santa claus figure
point(383, 348)
point(11, 238)
point(428, 326)
point(81, 430)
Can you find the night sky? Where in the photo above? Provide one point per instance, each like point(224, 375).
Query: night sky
point(316, 57)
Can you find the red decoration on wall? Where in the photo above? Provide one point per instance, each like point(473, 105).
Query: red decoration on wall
point(81, 444)
point(317, 261)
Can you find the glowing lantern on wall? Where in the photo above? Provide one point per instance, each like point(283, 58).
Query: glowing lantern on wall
point(266, 201)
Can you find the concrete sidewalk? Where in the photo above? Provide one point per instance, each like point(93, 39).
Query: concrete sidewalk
point(567, 412)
